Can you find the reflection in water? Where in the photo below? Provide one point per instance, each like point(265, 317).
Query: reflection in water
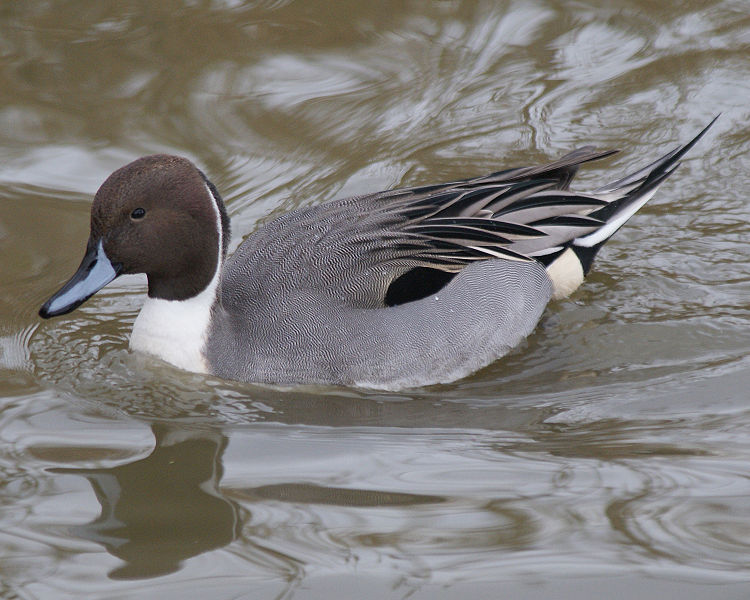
point(165, 508)
point(315, 494)
point(158, 511)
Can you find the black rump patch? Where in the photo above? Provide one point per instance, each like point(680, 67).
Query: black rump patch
point(416, 284)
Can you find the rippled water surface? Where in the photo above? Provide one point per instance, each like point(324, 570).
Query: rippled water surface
point(609, 456)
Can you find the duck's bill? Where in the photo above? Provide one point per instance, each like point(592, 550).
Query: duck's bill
point(95, 272)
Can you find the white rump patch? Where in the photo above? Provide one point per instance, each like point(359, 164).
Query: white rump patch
point(566, 274)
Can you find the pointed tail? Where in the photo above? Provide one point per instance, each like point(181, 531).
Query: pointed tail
point(626, 196)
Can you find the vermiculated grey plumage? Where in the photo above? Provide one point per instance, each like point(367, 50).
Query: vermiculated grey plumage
point(314, 282)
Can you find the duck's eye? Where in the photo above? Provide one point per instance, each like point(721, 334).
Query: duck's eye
point(138, 213)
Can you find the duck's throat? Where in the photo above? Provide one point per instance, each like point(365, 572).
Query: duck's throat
point(176, 330)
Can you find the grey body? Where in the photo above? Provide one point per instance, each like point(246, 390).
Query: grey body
point(310, 331)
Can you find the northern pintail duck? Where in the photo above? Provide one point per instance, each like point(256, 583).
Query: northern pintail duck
point(394, 289)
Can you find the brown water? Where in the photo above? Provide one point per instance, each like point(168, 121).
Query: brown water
point(609, 456)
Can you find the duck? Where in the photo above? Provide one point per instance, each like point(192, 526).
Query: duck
point(396, 289)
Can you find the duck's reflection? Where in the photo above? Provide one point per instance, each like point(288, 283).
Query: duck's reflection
point(163, 509)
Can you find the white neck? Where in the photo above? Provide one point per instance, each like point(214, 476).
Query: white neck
point(176, 330)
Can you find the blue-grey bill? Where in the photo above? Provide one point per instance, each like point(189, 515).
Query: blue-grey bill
point(95, 271)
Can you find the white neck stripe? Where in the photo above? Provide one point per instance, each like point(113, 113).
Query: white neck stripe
point(177, 330)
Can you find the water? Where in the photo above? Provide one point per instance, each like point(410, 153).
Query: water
point(609, 455)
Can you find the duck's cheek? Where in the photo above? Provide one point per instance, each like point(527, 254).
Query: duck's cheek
point(130, 253)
